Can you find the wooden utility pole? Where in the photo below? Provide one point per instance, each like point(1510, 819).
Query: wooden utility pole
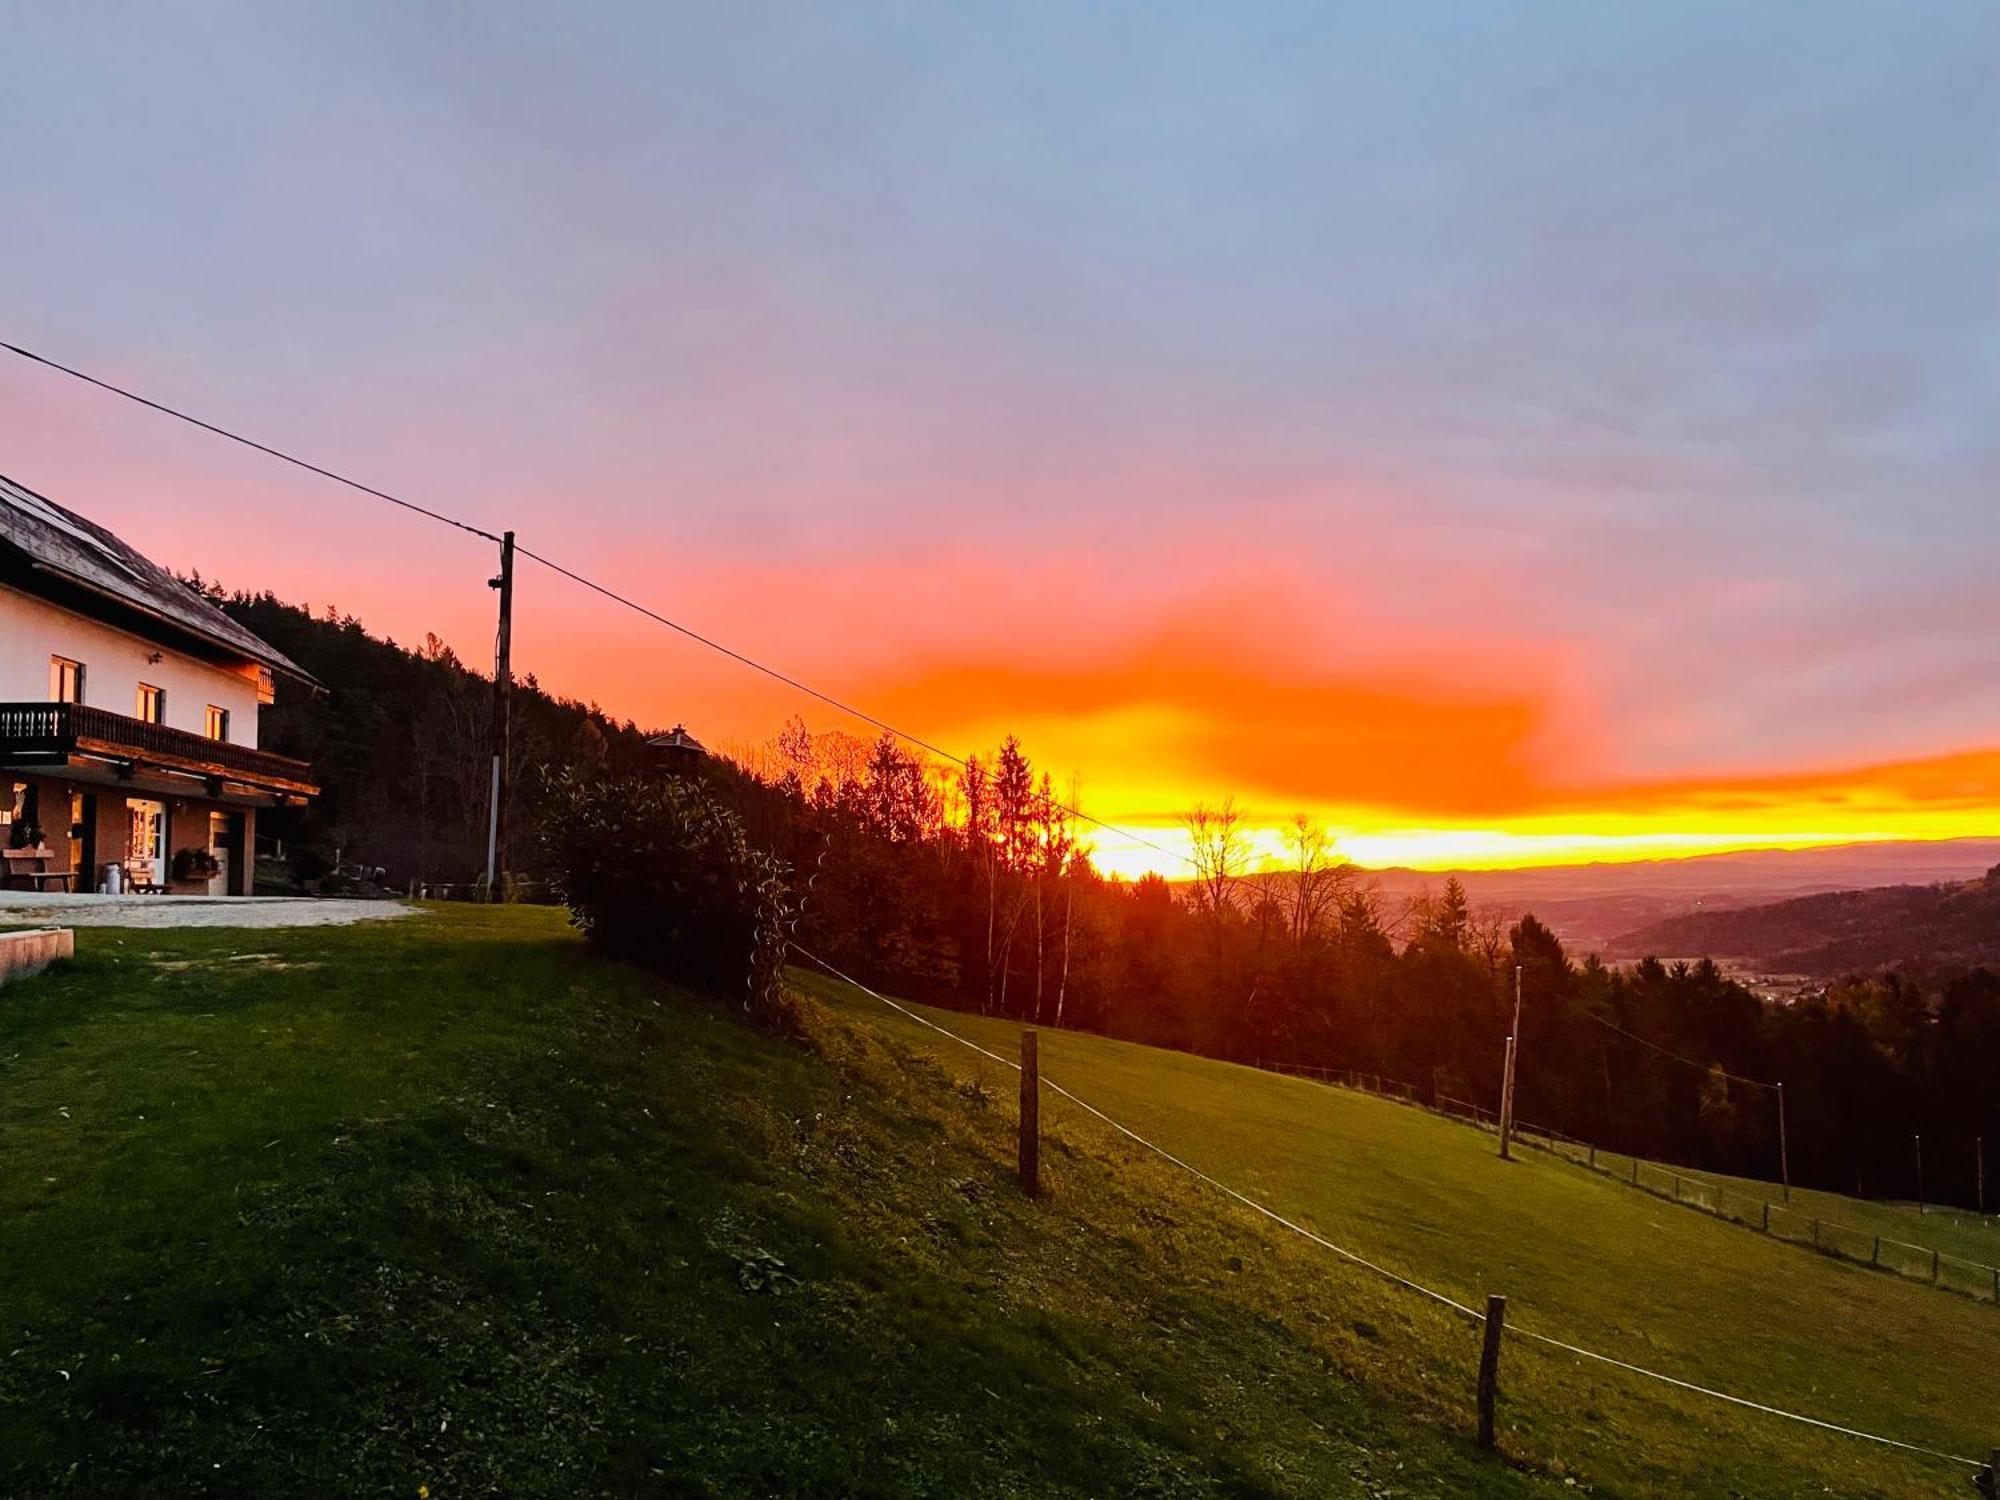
point(1784, 1152)
point(1031, 1112)
point(1920, 1172)
point(1507, 1075)
point(1489, 1366)
point(503, 724)
point(1979, 1171)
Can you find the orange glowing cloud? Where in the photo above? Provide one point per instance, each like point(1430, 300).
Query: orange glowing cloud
point(1413, 749)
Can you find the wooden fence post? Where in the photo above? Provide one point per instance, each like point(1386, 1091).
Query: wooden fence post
point(1875, 1255)
point(1766, 1226)
point(1635, 1171)
point(1815, 1234)
point(1489, 1366)
point(1934, 1267)
point(1031, 1109)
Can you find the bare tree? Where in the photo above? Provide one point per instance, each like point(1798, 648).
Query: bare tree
point(1013, 795)
point(1220, 850)
point(793, 756)
point(1486, 937)
point(983, 845)
point(1077, 855)
point(1317, 879)
point(1055, 833)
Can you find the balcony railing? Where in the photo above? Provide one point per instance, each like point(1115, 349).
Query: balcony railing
point(39, 729)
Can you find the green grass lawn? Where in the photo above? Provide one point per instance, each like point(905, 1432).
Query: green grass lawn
point(450, 1203)
point(1579, 1257)
point(453, 1203)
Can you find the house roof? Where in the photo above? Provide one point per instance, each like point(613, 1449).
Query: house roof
point(61, 542)
point(677, 738)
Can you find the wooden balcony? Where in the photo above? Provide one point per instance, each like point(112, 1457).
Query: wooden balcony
point(51, 734)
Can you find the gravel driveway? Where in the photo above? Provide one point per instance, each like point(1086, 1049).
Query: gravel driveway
point(63, 909)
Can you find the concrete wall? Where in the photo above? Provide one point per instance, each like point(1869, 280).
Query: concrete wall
point(32, 630)
point(25, 953)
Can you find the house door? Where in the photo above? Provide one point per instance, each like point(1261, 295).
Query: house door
point(147, 850)
point(83, 838)
point(219, 840)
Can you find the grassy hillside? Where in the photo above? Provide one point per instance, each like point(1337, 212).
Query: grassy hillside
point(1580, 1257)
point(449, 1203)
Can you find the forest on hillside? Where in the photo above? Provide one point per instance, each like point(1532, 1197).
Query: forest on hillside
point(1925, 932)
point(401, 742)
point(973, 886)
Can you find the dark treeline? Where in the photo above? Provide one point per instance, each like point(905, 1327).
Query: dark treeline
point(401, 743)
point(976, 889)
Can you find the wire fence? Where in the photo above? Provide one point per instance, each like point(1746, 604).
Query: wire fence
point(1721, 1200)
point(1404, 1092)
point(1731, 1201)
point(520, 891)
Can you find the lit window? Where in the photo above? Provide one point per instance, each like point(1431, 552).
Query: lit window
point(215, 723)
point(65, 680)
point(152, 704)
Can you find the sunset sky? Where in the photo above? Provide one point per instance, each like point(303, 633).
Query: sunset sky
point(1513, 432)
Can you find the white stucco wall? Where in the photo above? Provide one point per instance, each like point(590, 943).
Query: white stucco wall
point(32, 630)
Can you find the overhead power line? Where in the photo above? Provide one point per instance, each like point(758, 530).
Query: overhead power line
point(1544, 991)
point(827, 698)
point(575, 577)
point(737, 656)
point(1677, 1057)
point(237, 437)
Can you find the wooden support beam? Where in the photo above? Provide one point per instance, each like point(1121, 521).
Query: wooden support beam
point(1489, 1366)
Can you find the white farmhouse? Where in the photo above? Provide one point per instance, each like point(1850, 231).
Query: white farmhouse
point(128, 717)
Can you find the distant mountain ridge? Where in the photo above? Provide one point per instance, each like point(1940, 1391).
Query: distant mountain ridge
point(1923, 931)
point(1591, 906)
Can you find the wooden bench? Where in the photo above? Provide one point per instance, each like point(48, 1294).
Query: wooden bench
point(30, 867)
point(140, 879)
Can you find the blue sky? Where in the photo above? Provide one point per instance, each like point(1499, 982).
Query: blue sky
point(1632, 366)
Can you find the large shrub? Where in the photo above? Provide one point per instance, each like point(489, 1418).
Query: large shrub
point(657, 871)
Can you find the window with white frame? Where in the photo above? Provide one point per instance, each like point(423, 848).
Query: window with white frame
point(65, 680)
point(152, 704)
point(215, 723)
